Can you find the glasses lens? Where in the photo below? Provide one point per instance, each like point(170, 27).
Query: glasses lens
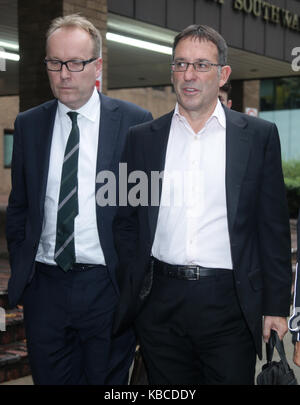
point(72, 66)
point(75, 66)
point(199, 66)
point(179, 66)
point(53, 65)
point(202, 66)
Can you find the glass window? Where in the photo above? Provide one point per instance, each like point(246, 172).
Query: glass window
point(280, 94)
point(280, 103)
point(8, 147)
point(267, 95)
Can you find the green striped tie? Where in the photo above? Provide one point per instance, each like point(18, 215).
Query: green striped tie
point(68, 200)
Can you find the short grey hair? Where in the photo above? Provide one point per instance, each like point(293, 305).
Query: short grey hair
point(77, 21)
point(204, 33)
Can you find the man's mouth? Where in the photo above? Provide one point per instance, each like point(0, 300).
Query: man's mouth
point(190, 90)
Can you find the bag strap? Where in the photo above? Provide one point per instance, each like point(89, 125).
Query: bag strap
point(274, 341)
point(270, 348)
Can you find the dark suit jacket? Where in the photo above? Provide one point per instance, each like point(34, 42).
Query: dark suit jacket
point(258, 220)
point(30, 163)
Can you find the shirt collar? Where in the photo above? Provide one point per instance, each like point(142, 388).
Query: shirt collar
point(89, 110)
point(218, 114)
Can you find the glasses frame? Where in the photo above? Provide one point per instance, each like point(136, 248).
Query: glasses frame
point(84, 62)
point(194, 63)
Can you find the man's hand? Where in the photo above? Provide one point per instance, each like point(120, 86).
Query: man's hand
point(296, 357)
point(277, 323)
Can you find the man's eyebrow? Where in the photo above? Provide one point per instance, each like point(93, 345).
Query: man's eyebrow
point(196, 60)
point(66, 60)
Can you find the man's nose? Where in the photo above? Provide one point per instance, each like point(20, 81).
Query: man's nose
point(64, 73)
point(190, 72)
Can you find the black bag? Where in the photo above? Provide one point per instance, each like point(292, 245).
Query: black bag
point(276, 372)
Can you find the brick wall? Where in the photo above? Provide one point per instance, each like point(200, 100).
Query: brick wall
point(158, 101)
point(251, 94)
point(33, 24)
point(9, 108)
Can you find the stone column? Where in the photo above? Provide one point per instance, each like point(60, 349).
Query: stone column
point(34, 18)
point(251, 94)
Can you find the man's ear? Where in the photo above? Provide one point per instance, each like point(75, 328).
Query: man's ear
point(98, 66)
point(225, 73)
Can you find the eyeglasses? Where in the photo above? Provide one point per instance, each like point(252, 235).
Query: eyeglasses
point(202, 66)
point(72, 65)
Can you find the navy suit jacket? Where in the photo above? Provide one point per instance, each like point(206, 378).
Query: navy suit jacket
point(258, 220)
point(30, 164)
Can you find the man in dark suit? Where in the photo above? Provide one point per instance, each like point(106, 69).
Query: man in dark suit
point(200, 269)
point(60, 241)
point(294, 321)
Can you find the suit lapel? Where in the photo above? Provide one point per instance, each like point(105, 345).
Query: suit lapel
point(238, 141)
point(158, 141)
point(43, 148)
point(110, 118)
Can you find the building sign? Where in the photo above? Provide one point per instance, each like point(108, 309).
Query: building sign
point(267, 11)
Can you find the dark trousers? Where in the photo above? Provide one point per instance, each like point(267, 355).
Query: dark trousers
point(68, 318)
point(193, 332)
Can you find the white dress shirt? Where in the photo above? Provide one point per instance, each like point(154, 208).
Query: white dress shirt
point(192, 223)
point(87, 244)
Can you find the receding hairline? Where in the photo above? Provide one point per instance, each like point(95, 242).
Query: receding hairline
point(202, 33)
point(196, 38)
point(90, 45)
point(75, 21)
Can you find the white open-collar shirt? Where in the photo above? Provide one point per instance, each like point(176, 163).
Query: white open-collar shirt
point(192, 225)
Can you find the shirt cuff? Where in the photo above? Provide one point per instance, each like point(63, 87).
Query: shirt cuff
point(295, 337)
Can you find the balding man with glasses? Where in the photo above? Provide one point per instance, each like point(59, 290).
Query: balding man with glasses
point(213, 257)
point(60, 241)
